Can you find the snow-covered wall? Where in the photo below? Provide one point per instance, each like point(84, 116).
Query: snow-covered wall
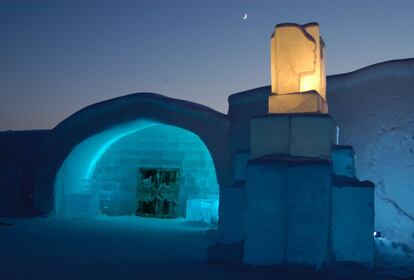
point(373, 108)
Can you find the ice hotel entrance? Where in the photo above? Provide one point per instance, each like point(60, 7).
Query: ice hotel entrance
point(141, 167)
point(160, 171)
point(157, 171)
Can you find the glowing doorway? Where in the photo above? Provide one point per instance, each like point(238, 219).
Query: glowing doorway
point(100, 174)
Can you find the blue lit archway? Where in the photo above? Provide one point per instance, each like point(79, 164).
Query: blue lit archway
point(80, 140)
point(100, 175)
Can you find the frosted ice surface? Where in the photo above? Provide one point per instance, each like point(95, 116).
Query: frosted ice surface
point(202, 210)
point(374, 109)
point(265, 216)
point(352, 224)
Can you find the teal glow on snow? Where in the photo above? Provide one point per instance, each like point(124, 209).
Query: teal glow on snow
point(78, 195)
point(104, 148)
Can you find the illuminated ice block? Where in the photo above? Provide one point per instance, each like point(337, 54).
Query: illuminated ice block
point(269, 135)
point(300, 102)
point(309, 135)
point(298, 66)
point(343, 161)
point(202, 210)
point(80, 205)
point(312, 136)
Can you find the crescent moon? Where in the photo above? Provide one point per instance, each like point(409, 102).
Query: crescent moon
point(245, 17)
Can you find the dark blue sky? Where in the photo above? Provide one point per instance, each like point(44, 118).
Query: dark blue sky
point(57, 57)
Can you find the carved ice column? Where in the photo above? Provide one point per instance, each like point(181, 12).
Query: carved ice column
point(297, 70)
point(288, 178)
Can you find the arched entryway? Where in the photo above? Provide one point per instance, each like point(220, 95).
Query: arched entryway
point(141, 168)
point(81, 144)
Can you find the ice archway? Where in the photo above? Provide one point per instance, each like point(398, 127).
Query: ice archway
point(101, 174)
point(79, 142)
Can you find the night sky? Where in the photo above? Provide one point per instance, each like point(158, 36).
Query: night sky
point(57, 57)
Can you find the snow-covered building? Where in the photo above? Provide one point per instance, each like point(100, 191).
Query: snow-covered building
point(279, 181)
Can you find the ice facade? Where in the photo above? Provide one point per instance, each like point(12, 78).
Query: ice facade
point(286, 188)
point(380, 127)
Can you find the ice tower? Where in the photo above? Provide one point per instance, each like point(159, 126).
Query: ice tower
point(298, 199)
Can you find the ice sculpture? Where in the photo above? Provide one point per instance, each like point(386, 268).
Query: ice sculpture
point(297, 69)
point(304, 204)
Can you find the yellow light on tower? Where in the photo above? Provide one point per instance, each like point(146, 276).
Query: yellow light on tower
point(297, 69)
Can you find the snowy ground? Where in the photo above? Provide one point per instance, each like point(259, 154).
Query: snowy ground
point(134, 248)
